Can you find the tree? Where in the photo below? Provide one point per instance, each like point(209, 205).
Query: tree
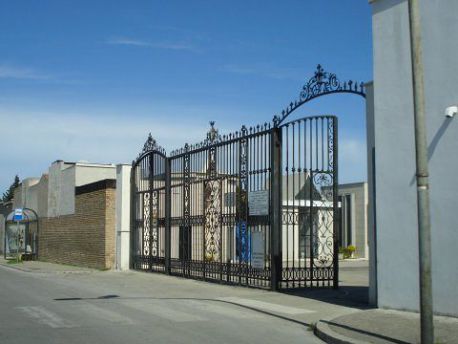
point(9, 194)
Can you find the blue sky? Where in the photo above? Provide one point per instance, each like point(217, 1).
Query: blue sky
point(87, 80)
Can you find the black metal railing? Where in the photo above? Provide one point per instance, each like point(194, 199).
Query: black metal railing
point(255, 207)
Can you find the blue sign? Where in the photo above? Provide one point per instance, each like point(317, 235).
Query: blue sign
point(18, 215)
point(243, 242)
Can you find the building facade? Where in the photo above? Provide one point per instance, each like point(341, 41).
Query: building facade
point(395, 281)
point(354, 203)
point(76, 207)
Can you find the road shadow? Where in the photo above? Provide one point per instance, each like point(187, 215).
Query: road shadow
point(348, 296)
point(364, 332)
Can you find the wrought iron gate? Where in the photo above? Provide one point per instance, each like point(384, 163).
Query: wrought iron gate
point(258, 207)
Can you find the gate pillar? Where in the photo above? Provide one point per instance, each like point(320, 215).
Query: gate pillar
point(168, 207)
point(276, 220)
point(133, 227)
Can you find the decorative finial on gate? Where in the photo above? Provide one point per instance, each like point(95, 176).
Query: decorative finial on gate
point(212, 135)
point(151, 145)
point(321, 83)
point(320, 74)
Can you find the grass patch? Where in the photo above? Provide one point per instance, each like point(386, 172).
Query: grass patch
point(312, 326)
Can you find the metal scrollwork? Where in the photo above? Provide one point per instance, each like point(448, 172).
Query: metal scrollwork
point(186, 189)
point(320, 84)
point(213, 135)
point(146, 224)
point(154, 223)
point(211, 171)
point(151, 146)
point(212, 220)
point(323, 235)
point(331, 146)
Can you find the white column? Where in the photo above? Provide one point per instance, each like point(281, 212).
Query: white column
point(123, 202)
point(371, 223)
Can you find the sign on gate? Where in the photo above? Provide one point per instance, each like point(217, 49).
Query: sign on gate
point(258, 202)
point(258, 252)
point(243, 242)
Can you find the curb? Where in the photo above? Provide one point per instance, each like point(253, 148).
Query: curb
point(326, 334)
point(17, 268)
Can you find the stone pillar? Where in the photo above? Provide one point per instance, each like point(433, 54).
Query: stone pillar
point(371, 211)
point(123, 203)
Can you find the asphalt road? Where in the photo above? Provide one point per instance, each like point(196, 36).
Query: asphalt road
point(110, 307)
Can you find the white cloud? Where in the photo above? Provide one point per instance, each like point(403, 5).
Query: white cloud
point(37, 139)
point(14, 72)
point(128, 41)
point(157, 45)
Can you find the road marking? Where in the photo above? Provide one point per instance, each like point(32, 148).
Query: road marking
point(45, 317)
point(165, 311)
point(266, 306)
point(102, 313)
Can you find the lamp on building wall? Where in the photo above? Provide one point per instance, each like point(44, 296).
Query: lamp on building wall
point(451, 111)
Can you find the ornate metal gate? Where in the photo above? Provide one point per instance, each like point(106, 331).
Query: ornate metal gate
point(258, 207)
point(148, 210)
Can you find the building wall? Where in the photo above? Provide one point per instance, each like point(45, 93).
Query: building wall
point(60, 201)
point(42, 196)
point(396, 212)
point(2, 234)
point(36, 196)
point(371, 191)
point(90, 173)
point(87, 237)
point(32, 193)
point(66, 204)
point(359, 207)
point(64, 177)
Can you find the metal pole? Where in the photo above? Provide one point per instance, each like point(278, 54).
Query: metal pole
point(276, 224)
point(335, 205)
point(17, 241)
point(168, 214)
point(421, 150)
point(133, 211)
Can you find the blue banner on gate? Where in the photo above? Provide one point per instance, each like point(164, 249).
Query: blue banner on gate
point(243, 242)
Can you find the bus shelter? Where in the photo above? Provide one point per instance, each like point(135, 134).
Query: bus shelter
point(21, 236)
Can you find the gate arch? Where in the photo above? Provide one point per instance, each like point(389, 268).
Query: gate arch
point(321, 84)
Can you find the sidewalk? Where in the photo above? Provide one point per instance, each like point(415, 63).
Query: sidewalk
point(384, 326)
point(43, 267)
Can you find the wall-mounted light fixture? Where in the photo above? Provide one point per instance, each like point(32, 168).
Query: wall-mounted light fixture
point(451, 111)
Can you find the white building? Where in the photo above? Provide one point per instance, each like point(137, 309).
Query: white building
point(395, 269)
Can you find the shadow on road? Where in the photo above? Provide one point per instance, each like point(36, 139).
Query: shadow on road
point(348, 296)
point(372, 334)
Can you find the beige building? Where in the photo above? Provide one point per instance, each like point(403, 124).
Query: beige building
point(353, 200)
point(75, 203)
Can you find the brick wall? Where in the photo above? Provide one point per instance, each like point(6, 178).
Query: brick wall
point(87, 237)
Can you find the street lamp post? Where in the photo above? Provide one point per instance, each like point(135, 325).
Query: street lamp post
point(421, 150)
